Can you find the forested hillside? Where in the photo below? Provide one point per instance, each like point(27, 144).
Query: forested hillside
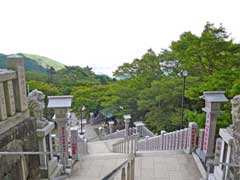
point(35, 63)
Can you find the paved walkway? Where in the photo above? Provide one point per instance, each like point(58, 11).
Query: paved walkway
point(166, 165)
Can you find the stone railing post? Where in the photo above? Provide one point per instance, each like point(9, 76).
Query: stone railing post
point(10, 101)
point(177, 139)
point(163, 140)
point(128, 171)
point(132, 168)
point(174, 140)
point(123, 174)
point(146, 143)
point(3, 108)
point(132, 141)
point(135, 145)
point(16, 63)
point(192, 137)
point(185, 138)
point(181, 139)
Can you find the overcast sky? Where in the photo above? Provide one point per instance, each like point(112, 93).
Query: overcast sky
point(105, 33)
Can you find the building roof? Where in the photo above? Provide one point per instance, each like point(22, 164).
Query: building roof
point(59, 101)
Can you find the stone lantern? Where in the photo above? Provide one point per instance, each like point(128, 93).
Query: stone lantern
point(61, 105)
point(139, 126)
point(110, 123)
point(213, 100)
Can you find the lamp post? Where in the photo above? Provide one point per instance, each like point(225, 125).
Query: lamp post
point(183, 74)
point(81, 109)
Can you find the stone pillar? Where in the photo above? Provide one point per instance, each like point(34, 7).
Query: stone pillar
point(213, 99)
point(235, 156)
point(10, 101)
point(192, 137)
point(3, 108)
point(127, 120)
point(74, 143)
point(110, 123)
point(16, 62)
point(91, 117)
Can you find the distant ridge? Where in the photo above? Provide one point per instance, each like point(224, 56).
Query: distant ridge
point(34, 63)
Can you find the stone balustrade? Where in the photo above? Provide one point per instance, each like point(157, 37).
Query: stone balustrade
point(146, 132)
point(127, 145)
point(115, 135)
point(12, 88)
point(184, 139)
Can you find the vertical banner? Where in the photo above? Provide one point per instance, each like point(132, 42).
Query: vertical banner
point(206, 133)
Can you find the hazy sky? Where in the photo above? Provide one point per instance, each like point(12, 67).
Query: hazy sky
point(105, 33)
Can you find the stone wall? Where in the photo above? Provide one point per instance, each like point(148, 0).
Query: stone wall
point(21, 137)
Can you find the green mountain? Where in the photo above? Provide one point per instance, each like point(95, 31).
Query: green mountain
point(35, 63)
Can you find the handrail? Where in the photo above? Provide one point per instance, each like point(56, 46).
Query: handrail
point(211, 163)
point(115, 171)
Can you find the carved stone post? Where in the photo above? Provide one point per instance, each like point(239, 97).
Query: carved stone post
point(10, 101)
point(127, 120)
point(192, 137)
point(3, 108)
point(16, 62)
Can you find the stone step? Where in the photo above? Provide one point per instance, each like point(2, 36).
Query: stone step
point(158, 153)
point(106, 156)
point(57, 172)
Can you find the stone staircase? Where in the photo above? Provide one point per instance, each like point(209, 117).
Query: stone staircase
point(149, 165)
